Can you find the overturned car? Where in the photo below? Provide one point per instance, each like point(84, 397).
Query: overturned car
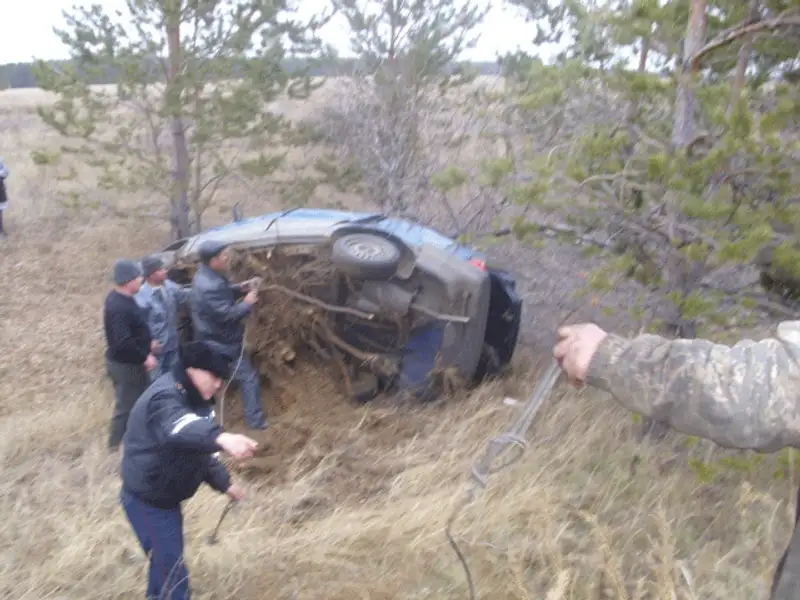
point(398, 306)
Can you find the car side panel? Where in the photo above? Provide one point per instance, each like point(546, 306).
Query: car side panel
point(468, 294)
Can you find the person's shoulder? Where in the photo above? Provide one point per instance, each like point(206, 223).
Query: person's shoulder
point(172, 286)
point(789, 332)
point(785, 339)
point(113, 300)
point(143, 296)
point(207, 280)
point(201, 276)
point(165, 391)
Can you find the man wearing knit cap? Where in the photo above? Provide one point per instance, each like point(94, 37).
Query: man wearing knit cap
point(218, 317)
point(129, 346)
point(160, 300)
point(170, 450)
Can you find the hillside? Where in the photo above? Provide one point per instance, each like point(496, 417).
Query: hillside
point(346, 502)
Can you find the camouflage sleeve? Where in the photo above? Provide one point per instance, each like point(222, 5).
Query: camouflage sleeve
point(743, 396)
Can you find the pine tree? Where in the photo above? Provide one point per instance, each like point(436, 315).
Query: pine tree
point(193, 80)
point(686, 175)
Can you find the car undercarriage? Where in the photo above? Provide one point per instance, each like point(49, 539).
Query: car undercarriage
point(362, 303)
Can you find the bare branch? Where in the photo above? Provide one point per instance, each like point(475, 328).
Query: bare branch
point(731, 35)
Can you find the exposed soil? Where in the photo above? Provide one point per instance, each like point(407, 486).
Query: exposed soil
point(324, 442)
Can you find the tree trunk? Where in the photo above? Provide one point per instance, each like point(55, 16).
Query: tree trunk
point(744, 57)
point(683, 125)
point(179, 202)
point(643, 54)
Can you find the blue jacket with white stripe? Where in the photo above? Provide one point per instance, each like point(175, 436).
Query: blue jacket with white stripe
point(169, 447)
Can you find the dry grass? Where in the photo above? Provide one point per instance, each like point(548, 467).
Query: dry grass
point(345, 502)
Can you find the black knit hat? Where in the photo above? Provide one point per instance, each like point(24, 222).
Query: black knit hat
point(201, 355)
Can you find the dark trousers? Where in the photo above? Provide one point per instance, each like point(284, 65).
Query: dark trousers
point(160, 533)
point(130, 382)
point(246, 375)
point(248, 379)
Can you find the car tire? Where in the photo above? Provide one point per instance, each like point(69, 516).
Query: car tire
point(366, 256)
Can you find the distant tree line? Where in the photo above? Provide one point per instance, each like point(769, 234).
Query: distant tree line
point(22, 75)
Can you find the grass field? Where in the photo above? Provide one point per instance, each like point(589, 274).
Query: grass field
point(344, 502)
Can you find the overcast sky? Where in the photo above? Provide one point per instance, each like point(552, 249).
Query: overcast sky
point(26, 32)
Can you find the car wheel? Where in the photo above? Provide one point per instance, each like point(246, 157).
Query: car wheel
point(489, 364)
point(366, 256)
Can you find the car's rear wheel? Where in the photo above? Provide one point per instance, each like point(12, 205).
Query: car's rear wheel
point(366, 256)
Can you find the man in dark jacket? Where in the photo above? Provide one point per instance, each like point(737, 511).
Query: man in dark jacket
point(218, 318)
point(742, 396)
point(170, 449)
point(129, 345)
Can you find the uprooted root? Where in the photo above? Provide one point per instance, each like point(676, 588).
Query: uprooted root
point(282, 324)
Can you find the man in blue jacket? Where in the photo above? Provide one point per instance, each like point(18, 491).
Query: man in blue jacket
point(160, 300)
point(169, 451)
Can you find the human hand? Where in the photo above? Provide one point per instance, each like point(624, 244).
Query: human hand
point(575, 349)
point(236, 492)
point(237, 445)
point(150, 362)
point(252, 283)
point(251, 297)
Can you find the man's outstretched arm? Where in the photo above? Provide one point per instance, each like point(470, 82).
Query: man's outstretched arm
point(741, 396)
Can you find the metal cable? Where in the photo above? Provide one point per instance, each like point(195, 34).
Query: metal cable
point(481, 469)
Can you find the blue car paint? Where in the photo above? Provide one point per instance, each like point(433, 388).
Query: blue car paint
point(419, 358)
point(412, 234)
point(419, 354)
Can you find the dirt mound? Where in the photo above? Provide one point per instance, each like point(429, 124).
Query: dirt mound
point(338, 450)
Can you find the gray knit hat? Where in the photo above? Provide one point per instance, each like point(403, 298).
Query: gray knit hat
point(209, 249)
point(126, 270)
point(150, 265)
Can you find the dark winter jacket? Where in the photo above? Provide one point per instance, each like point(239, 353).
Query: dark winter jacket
point(169, 447)
point(127, 335)
point(216, 315)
